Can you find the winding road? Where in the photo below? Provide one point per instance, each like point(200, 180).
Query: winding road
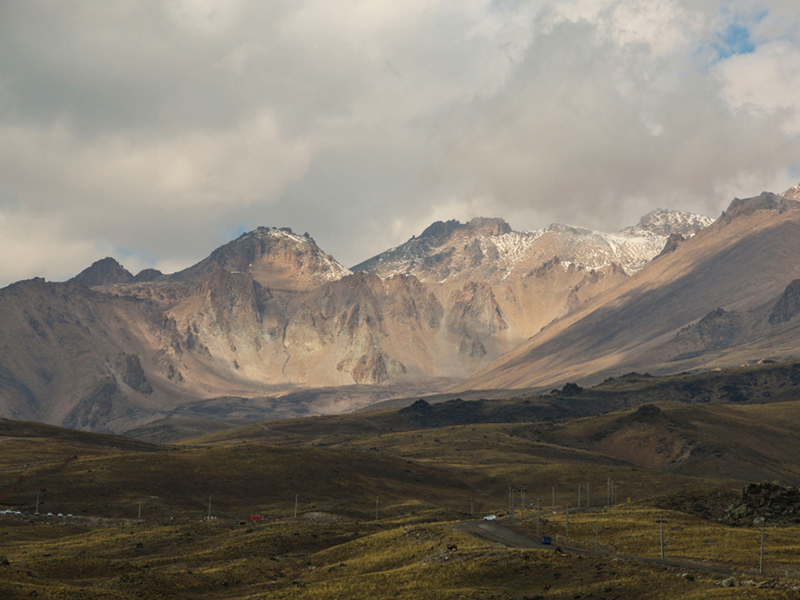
point(506, 535)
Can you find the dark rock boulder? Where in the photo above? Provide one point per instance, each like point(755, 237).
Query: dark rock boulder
point(765, 503)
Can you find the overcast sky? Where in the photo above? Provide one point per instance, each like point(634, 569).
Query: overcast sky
point(156, 130)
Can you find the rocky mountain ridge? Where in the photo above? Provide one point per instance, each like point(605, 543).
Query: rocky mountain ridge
point(706, 303)
point(270, 313)
point(489, 250)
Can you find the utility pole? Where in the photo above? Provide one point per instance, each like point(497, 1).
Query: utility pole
point(377, 498)
point(587, 495)
point(140, 510)
point(295, 506)
point(761, 556)
point(513, 507)
point(537, 518)
point(596, 529)
point(567, 542)
point(554, 498)
point(661, 525)
point(579, 495)
point(522, 512)
point(209, 508)
point(37, 503)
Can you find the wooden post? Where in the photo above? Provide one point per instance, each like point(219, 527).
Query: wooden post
point(596, 529)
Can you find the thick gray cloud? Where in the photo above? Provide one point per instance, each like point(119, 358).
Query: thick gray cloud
point(155, 131)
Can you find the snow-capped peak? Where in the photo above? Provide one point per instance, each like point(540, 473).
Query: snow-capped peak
point(793, 193)
point(663, 223)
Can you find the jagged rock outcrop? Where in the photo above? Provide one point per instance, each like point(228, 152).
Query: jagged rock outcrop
point(788, 306)
point(370, 328)
point(103, 272)
point(129, 369)
point(717, 329)
point(766, 201)
point(473, 317)
point(671, 244)
point(769, 503)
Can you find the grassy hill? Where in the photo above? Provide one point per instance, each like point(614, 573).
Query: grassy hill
point(681, 446)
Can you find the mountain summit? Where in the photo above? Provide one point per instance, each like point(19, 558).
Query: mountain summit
point(106, 271)
point(489, 250)
point(664, 223)
point(276, 258)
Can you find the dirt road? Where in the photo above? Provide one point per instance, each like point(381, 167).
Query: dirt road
point(501, 533)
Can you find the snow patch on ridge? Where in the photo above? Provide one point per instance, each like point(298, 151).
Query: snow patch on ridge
point(516, 252)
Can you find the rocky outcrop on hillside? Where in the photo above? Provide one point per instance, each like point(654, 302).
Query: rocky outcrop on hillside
point(788, 305)
point(371, 329)
point(766, 201)
point(769, 503)
point(473, 317)
point(671, 244)
point(717, 329)
point(103, 272)
point(130, 371)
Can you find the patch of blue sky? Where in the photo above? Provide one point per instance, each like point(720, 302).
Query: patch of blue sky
point(233, 231)
point(736, 38)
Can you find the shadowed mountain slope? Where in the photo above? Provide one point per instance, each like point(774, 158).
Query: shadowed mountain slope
point(742, 263)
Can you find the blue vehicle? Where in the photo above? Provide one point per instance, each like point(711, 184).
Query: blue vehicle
point(546, 540)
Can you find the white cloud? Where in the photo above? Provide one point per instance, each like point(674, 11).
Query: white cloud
point(151, 130)
point(765, 83)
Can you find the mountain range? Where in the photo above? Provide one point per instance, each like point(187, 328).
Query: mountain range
point(269, 325)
